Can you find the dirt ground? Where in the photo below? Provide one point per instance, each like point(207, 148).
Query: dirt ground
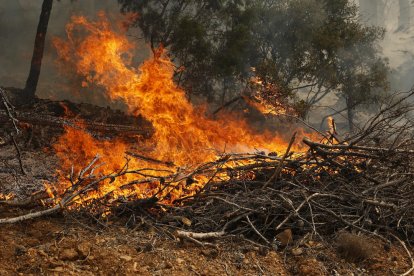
point(70, 244)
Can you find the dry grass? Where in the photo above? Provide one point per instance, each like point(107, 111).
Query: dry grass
point(354, 248)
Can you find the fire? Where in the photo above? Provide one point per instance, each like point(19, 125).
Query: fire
point(8, 196)
point(183, 134)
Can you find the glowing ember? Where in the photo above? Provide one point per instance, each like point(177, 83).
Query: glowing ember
point(6, 196)
point(182, 134)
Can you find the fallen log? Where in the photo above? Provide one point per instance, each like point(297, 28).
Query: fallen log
point(57, 122)
point(28, 202)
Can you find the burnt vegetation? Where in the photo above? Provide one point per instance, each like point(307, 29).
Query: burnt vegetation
point(353, 247)
point(362, 183)
point(348, 187)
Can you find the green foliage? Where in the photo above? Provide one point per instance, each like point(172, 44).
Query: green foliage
point(317, 44)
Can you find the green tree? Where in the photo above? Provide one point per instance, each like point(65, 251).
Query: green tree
point(210, 39)
point(301, 50)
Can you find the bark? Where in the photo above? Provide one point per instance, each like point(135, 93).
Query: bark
point(38, 49)
point(351, 114)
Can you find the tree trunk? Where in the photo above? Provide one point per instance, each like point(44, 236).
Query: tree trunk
point(33, 78)
point(351, 114)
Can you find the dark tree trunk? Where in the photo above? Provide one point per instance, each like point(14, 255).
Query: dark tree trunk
point(351, 114)
point(38, 49)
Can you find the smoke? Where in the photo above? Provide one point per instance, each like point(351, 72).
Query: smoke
point(398, 44)
point(18, 24)
point(19, 18)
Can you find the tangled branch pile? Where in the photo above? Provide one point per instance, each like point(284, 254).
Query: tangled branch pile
point(364, 182)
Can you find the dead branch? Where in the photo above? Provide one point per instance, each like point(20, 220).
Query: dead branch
point(10, 113)
point(257, 231)
point(411, 269)
point(19, 154)
point(149, 159)
point(318, 191)
point(32, 215)
point(280, 166)
point(199, 236)
point(9, 110)
point(26, 202)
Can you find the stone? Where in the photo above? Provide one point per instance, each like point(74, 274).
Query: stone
point(285, 237)
point(126, 258)
point(297, 251)
point(84, 249)
point(69, 254)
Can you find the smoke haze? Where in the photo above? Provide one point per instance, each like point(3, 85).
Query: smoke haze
point(19, 19)
point(18, 24)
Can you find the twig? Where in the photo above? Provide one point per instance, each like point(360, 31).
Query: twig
point(149, 159)
point(256, 231)
point(301, 206)
point(9, 109)
point(19, 154)
point(409, 271)
point(280, 166)
point(199, 236)
point(26, 202)
point(32, 215)
point(190, 237)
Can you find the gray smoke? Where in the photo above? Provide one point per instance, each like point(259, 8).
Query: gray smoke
point(18, 23)
point(398, 45)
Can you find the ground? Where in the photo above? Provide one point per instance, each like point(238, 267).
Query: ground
point(70, 243)
point(64, 245)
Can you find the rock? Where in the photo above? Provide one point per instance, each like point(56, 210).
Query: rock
point(285, 237)
point(58, 269)
point(83, 249)
point(186, 221)
point(69, 254)
point(179, 261)
point(300, 224)
point(125, 258)
point(297, 251)
point(167, 265)
point(263, 251)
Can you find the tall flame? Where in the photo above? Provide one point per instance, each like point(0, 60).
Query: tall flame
point(182, 134)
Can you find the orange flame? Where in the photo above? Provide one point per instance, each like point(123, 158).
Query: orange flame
point(183, 134)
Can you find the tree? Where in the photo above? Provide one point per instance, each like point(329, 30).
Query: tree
point(38, 49)
point(359, 72)
point(296, 47)
point(209, 39)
